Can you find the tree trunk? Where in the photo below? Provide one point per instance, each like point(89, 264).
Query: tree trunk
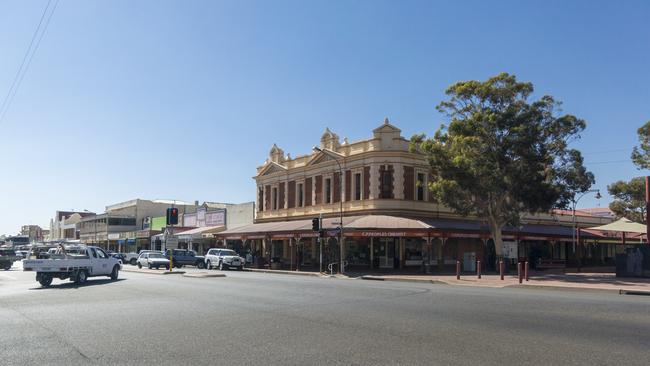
point(497, 237)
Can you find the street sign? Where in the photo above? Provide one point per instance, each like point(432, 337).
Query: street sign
point(171, 243)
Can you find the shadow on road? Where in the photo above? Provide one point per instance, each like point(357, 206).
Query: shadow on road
point(72, 285)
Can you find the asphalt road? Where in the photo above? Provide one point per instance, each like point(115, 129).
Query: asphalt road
point(268, 319)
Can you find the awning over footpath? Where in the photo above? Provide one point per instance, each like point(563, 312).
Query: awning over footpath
point(395, 226)
point(199, 232)
point(620, 230)
point(622, 225)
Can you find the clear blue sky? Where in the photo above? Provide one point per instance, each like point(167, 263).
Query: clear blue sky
point(183, 99)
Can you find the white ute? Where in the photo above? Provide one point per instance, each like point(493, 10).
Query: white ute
point(78, 266)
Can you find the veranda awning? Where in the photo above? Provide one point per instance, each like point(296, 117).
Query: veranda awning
point(622, 225)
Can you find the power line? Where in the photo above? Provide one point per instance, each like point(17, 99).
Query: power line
point(607, 151)
point(609, 162)
point(29, 55)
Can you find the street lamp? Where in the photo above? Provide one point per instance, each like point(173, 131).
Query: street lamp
point(575, 203)
point(341, 253)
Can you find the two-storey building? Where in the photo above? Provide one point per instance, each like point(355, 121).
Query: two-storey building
point(390, 221)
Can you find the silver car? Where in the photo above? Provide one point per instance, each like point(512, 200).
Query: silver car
point(152, 260)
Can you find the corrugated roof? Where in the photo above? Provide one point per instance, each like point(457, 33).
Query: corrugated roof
point(397, 223)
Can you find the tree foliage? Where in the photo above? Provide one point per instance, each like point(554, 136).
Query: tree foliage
point(629, 199)
point(641, 153)
point(502, 156)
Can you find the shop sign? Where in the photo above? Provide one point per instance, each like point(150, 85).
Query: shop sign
point(113, 236)
point(510, 249)
point(142, 233)
point(281, 236)
point(389, 234)
point(255, 236)
point(534, 238)
point(308, 235)
point(462, 235)
point(237, 237)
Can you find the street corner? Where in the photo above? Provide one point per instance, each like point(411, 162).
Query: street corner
point(151, 271)
point(203, 275)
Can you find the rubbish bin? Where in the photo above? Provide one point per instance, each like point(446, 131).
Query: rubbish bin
point(621, 265)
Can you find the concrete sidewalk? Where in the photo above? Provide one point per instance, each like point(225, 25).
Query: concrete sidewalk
point(573, 281)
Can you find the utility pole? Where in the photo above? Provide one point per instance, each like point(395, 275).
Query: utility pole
point(320, 243)
point(647, 209)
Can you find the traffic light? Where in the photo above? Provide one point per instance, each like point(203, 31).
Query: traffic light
point(172, 216)
point(315, 224)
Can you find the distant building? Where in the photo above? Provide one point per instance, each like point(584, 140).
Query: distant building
point(63, 225)
point(118, 228)
point(33, 232)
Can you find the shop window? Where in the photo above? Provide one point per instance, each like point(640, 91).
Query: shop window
point(413, 251)
point(358, 251)
point(357, 186)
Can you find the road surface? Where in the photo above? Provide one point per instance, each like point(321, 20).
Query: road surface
point(268, 319)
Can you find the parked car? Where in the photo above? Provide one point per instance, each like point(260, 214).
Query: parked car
point(152, 260)
point(131, 258)
point(223, 259)
point(184, 257)
point(7, 258)
point(119, 256)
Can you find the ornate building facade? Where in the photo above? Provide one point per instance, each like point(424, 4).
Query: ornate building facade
point(390, 219)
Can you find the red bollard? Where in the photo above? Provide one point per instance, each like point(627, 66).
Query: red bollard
point(501, 269)
point(458, 270)
point(478, 269)
point(526, 270)
point(520, 273)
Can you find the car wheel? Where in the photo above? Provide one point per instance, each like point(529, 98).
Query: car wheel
point(200, 265)
point(115, 273)
point(45, 280)
point(166, 267)
point(81, 277)
point(139, 265)
point(179, 266)
point(7, 267)
point(157, 267)
point(150, 266)
point(221, 266)
point(132, 261)
point(208, 265)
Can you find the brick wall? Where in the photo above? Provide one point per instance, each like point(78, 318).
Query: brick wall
point(281, 195)
point(267, 202)
point(308, 192)
point(319, 189)
point(291, 201)
point(409, 183)
point(366, 182)
point(336, 191)
point(348, 185)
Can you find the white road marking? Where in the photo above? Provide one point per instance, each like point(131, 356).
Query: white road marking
point(8, 276)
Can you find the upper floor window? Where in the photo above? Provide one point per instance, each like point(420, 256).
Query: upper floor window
point(301, 195)
point(386, 187)
point(274, 196)
point(328, 190)
point(357, 186)
point(420, 185)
